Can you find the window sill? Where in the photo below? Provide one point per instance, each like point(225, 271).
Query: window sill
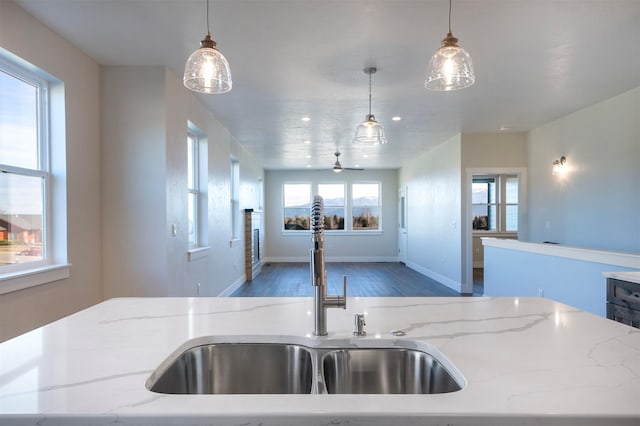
point(332, 233)
point(33, 277)
point(197, 253)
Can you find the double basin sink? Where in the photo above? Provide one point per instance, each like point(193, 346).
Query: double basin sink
point(371, 367)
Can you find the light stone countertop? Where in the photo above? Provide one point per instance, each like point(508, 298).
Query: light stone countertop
point(525, 361)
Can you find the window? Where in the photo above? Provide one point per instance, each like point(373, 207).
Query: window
point(193, 185)
point(348, 207)
point(297, 205)
point(235, 199)
point(365, 208)
point(333, 198)
point(24, 167)
point(494, 202)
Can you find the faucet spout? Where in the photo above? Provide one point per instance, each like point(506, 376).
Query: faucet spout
point(318, 272)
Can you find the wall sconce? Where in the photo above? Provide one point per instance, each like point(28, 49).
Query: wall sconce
point(559, 166)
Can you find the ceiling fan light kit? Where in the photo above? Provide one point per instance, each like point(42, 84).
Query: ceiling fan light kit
point(337, 166)
point(207, 70)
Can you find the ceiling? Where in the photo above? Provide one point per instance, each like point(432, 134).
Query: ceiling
point(534, 61)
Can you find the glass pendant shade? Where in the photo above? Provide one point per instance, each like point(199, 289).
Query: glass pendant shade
point(370, 132)
point(450, 68)
point(207, 70)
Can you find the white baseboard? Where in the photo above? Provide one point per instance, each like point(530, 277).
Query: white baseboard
point(233, 287)
point(353, 259)
point(454, 285)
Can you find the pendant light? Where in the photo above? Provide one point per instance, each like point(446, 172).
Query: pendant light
point(450, 68)
point(207, 70)
point(370, 132)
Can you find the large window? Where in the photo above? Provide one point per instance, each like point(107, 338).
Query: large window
point(193, 185)
point(24, 167)
point(495, 203)
point(297, 205)
point(365, 206)
point(235, 199)
point(333, 198)
point(347, 207)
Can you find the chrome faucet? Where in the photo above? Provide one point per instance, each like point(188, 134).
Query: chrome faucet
point(318, 274)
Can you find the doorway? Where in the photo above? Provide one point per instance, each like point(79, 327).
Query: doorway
point(495, 207)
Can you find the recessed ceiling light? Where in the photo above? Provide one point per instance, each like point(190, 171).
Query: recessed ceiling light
point(356, 165)
point(365, 155)
point(307, 142)
point(307, 156)
point(306, 119)
point(503, 128)
point(308, 166)
point(396, 118)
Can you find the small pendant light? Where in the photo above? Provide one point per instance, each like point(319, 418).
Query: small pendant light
point(207, 70)
point(450, 68)
point(370, 132)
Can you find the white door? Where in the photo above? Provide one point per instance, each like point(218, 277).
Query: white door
point(402, 225)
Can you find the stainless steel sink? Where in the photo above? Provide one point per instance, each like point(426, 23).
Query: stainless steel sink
point(237, 368)
point(385, 371)
point(318, 367)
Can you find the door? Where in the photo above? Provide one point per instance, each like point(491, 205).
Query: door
point(402, 225)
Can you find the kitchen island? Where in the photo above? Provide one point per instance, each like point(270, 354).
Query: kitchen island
point(523, 361)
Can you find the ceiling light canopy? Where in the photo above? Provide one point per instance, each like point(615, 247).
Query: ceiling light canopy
point(450, 68)
point(207, 70)
point(370, 132)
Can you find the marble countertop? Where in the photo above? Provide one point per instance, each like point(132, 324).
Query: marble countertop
point(526, 361)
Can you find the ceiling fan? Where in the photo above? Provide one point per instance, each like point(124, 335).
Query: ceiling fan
point(337, 167)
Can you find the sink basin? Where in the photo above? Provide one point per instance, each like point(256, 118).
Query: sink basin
point(385, 371)
point(236, 365)
point(237, 368)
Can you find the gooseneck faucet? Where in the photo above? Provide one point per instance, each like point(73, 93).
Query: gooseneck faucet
point(318, 274)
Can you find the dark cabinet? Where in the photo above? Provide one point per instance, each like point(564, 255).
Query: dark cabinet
point(623, 301)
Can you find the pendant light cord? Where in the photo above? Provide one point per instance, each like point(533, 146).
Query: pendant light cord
point(370, 91)
point(449, 15)
point(209, 32)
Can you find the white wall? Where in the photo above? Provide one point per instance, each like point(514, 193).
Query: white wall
point(281, 247)
point(145, 112)
point(133, 181)
point(434, 212)
point(596, 204)
point(27, 38)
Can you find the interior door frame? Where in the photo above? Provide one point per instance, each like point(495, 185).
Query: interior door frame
point(467, 240)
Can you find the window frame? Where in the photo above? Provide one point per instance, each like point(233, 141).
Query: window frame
point(234, 199)
point(379, 207)
point(193, 141)
point(53, 265)
point(348, 207)
point(500, 202)
point(284, 207)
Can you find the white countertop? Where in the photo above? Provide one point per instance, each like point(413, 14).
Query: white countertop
point(526, 361)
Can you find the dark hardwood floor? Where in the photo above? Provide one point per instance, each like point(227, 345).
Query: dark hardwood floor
point(363, 280)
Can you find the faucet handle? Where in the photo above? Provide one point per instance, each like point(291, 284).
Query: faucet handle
point(344, 291)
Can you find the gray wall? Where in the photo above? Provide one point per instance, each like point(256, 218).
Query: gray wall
point(596, 204)
point(144, 157)
point(280, 246)
point(434, 212)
